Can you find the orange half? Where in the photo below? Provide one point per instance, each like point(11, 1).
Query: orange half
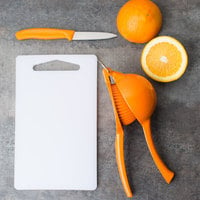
point(164, 59)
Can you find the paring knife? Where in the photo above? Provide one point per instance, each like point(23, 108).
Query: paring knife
point(52, 33)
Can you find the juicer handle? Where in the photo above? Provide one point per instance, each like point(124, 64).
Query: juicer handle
point(166, 173)
point(119, 141)
point(119, 150)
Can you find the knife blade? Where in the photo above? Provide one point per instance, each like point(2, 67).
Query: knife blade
point(52, 34)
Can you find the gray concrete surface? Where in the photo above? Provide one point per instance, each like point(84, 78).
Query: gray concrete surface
point(175, 123)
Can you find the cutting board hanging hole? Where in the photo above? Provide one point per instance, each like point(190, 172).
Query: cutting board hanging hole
point(56, 65)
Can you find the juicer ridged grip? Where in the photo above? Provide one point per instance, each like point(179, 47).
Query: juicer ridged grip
point(125, 114)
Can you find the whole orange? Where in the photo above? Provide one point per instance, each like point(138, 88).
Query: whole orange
point(139, 20)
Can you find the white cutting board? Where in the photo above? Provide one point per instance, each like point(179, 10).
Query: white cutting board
point(56, 124)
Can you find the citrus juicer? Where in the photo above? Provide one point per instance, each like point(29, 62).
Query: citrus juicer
point(133, 97)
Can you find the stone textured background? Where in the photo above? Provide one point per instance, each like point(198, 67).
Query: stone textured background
point(175, 123)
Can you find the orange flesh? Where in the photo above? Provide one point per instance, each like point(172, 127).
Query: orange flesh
point(164, 59)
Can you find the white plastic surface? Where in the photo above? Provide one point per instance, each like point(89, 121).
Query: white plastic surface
point(56, 124)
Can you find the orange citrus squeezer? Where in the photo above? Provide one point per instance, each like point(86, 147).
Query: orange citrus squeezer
point(133, 97)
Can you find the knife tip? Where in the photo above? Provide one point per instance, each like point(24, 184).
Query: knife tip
point(114, 35)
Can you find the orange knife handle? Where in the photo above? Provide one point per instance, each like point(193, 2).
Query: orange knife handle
point(119, 149)
point(44, 34)
point(166, 173)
